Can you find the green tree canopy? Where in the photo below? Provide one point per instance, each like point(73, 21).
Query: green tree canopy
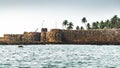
point(82, 28)
point(77, 27)
point(70, 26)
point(65, 23)
point(84, 20)
point(102, 25)
point(114, 21)
point(88, 26)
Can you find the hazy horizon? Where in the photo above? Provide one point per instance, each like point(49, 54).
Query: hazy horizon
point(17, 16)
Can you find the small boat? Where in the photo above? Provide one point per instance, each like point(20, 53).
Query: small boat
point(20, 46)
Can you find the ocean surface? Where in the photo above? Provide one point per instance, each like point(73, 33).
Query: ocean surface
point(60, 56)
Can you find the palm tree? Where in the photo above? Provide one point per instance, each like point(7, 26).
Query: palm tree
point(94, 25)
point(98, 24)
point(70, 26)
point(88, 26)
point(82, 28)
point(108, 24)
point(77, 28)
point(84, 20)
point(65, 23)
point(118, 22)
point(114, 21)
point(102, 25)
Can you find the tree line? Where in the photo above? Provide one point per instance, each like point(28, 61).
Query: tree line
point(113, 23)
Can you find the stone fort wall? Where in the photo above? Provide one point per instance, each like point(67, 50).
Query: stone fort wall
point(106, 36)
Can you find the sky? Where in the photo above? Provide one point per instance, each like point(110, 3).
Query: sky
point(17, 16)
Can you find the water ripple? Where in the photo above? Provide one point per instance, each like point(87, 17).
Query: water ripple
point(60, 56)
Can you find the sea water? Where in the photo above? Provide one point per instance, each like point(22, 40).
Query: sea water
point(59, 56)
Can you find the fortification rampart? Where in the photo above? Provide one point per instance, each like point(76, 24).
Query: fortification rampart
point(57, 36)
point(31, 36)
point(92, 36)
point(111, 36)
point(12, 38)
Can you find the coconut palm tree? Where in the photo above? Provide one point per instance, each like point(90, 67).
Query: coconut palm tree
point(70, 26)
point(114, 21)
point(65, 23)
point(102, 25)
point(98, 24)
point(77, 28)
point(88, 26)
point(118, 23)
point(82, 28)
point(94, 25)
point(108, 24)
point(84, 20)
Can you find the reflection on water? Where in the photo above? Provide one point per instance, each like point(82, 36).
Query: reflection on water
point(60, 56)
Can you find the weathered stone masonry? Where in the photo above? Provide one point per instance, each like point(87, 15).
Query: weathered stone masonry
point(54, 36)
point(111, 36)
point(58, 36)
